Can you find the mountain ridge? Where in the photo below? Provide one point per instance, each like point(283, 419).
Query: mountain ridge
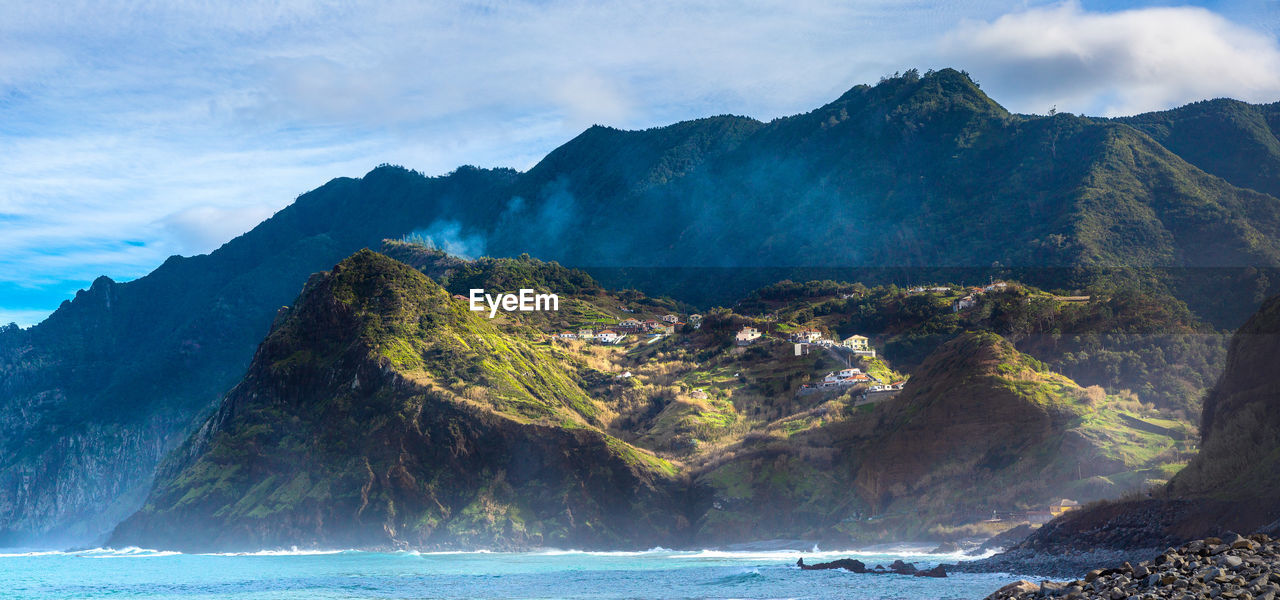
point(922, 171)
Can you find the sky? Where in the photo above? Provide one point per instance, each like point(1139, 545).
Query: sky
point(132, 131)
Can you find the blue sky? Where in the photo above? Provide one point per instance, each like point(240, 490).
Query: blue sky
point(131, 131)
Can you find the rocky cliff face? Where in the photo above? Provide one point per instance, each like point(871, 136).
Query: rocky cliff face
point(1233, 484)
point(1240, 454)
point(380, 412)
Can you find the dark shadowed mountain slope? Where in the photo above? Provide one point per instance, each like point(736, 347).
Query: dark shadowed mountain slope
point(1228, 138)
point(918, 171)
point(1240, 455)
point(1233, 484)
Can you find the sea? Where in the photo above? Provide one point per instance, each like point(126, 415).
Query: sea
point(301, 574)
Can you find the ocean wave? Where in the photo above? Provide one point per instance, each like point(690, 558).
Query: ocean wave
point(32, 553)
point(746, 576)
point(879, 553)
point(129, 551)
point(294, 551)
point(126, 552)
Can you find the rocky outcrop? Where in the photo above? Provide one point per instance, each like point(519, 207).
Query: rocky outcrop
point(381, 413)
point(1234, 567)
point(1232, 484)
point(897, 567)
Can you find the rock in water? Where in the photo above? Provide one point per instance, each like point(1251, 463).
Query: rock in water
point(848, 564)
point(938, 571)
point(903, 568)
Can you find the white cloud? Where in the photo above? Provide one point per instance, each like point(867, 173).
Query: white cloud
point(133, 131)
point(1115, 63)
point(588, 99)
point(202, 228)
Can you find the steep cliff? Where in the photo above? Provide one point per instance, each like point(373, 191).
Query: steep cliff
point(380, 412)
point(1233, 484)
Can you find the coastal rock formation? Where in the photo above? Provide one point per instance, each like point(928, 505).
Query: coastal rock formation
point(1233, 567)
point(381, 413)
point(1232, 484)
point(898, 567)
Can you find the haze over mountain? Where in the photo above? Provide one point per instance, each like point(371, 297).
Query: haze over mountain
point(921, 172)
point(1231, 485)
point(381, 412)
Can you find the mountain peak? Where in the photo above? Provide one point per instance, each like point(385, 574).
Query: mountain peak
point(947, 87)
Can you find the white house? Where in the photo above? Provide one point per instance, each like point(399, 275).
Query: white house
point(565, 335)
point(995, 287)
point(807, 336)
point(608, 336)
point(632, 323)
point(964, 303)
point(850, 372)
point(747, 335)
point(670, 319)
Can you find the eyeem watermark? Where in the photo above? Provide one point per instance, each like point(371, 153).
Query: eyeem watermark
point(526, 301)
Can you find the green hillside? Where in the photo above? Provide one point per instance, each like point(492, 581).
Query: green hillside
point(921, 177)
point(382, 413)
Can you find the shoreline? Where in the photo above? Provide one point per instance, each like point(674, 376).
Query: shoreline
point(1050, 565)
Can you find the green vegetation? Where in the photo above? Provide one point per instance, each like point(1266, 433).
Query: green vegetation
point(1120, 338)
point(736, 420)
point(1171, 218)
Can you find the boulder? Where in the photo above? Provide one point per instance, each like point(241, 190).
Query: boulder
point(938, 571)
point(1021, 586)
point(903, 568)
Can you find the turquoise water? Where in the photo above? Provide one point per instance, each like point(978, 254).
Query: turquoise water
point(658, 573)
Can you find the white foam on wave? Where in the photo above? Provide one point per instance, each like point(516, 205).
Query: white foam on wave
point(126, 552)
point(294, 551)
point(880, 553)
point(32, 553)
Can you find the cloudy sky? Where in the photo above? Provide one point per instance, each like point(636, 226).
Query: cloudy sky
point(132, 131)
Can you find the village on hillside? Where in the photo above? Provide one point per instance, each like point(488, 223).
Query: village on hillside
point(868, 386)
point(758, 340)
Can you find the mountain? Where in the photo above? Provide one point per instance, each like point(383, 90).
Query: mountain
point(979, 427)
point(1231, 485)
point(908, 176)
point(1120, 339)
point(381, 412)
point(1228, 138)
